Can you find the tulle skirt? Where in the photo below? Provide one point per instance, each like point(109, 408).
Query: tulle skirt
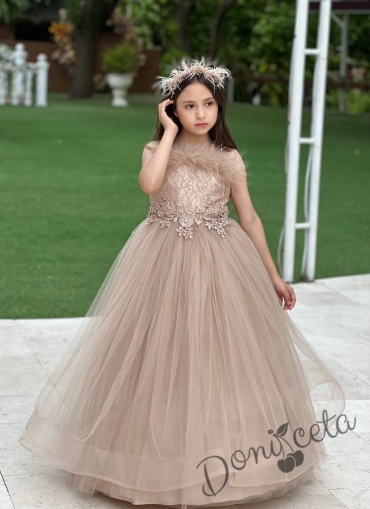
point(187, 383)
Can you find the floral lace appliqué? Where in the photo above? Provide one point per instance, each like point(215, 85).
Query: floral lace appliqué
point(196, 189)
point(211, 215)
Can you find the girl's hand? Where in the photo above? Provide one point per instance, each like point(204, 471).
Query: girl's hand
point(166, 121)
point(284, 290)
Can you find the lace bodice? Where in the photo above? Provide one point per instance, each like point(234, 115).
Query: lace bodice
point(196, 188)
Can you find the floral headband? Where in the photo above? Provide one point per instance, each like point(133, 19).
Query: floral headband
point(215, 75)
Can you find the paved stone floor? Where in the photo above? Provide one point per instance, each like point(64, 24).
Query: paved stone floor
point(333, 314)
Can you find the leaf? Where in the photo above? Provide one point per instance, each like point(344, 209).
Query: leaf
point(282, 430)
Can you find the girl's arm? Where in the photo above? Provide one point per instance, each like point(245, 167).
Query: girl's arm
point(252, 225)
point(154, 166)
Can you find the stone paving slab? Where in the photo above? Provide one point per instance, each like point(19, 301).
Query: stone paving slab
point(333, 313)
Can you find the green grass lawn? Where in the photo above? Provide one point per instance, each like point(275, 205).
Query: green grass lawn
point(70, 196)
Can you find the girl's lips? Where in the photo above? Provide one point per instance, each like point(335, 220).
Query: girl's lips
point(200, 125)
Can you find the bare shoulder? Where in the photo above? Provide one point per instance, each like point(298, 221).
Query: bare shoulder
point(149, 150)
point(236, 156)
point(239, 167)
point(152, 145)
point(239, 191)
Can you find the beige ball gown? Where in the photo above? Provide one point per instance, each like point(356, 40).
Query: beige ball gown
point(187, 384)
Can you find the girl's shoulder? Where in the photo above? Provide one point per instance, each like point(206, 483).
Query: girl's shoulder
point(237, 157)
point(230, 153)
point(152, 145)
point(227, 162)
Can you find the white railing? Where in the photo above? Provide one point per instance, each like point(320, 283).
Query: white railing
point(17, 83)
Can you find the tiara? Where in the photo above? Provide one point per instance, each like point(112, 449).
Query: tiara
point(215, 75)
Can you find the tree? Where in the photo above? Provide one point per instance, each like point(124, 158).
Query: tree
point(88, 17)
point(187, 8)
point(9, 9)
point(215, 28)
point(184, 8)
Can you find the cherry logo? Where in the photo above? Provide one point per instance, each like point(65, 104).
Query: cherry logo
point(291, 460)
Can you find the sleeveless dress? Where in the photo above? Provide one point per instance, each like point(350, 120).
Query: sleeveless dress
point(187, 383)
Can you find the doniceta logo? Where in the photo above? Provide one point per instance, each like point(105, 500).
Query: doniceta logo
point(290, 461)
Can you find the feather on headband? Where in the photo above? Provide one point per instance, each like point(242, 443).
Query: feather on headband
point(215, 75)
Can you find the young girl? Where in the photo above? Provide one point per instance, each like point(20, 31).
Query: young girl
point(188, 384)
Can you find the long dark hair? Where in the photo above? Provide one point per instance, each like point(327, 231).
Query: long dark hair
point(219, 133)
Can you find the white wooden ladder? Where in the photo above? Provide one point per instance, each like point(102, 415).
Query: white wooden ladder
point(295, 140)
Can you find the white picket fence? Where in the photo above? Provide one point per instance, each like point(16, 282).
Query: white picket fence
point(22, 82)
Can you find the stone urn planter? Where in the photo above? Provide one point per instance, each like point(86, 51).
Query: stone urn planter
point(120, 83)
point(120, 64)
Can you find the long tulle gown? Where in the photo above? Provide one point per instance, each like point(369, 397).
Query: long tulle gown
point(187, 383)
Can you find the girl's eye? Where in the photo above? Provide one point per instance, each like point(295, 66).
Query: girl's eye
point(210, 102)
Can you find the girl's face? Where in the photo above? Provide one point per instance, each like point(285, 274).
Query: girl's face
point(196, 105)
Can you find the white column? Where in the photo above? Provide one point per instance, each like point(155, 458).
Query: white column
point(19, 59)
point(42, 80)
point(3, 84)
point(28, 87)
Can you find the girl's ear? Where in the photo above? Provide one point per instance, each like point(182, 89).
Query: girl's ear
point(175, 113)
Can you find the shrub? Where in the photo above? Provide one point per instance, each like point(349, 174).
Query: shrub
point(122, 58)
